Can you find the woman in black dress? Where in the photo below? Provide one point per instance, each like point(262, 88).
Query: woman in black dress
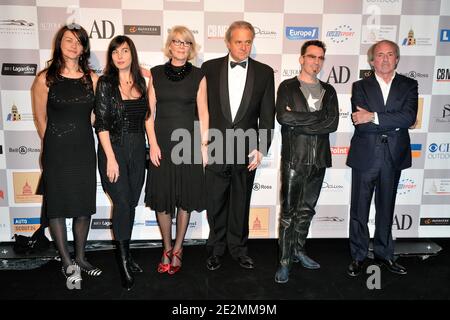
point(63, 99)
point(120, 109)
point(177, 96)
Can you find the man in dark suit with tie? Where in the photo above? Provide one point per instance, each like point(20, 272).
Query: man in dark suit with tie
point(384, 106)
point(241, 102)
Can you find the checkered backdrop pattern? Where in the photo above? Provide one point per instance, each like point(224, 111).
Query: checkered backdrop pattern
point(348, 27)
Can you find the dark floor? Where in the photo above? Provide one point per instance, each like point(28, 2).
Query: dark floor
point(426, 279)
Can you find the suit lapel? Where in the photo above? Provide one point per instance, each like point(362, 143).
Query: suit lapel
point(224, 95)
point(374, 93)
point(247, 95)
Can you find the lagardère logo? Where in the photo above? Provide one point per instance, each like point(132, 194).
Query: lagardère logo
point(23, 150)
point(101, 224)
point(257, 186)
point(302, 33)
point(142, 30)
point(19, 69)
point(445, 35)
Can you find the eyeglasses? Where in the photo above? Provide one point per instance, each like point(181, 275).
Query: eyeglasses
point(178, 43)
point(313, 57)
point(73, 25)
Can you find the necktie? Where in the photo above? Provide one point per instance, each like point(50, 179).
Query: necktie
point(243, 64)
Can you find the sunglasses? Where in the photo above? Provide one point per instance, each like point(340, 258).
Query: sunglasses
point(73, 26)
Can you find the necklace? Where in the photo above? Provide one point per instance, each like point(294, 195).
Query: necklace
point(126, 89)
point(174, 73)
point(127, 82)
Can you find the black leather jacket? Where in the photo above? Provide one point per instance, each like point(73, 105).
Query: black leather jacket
point(109, 109)
point(305, 134)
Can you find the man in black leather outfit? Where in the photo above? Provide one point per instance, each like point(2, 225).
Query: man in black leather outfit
point(307, 110)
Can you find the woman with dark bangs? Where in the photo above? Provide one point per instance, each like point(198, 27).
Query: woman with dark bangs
point(121, 107)
point(63, 100)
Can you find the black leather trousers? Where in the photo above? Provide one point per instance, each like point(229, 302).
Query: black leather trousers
point(300, 190)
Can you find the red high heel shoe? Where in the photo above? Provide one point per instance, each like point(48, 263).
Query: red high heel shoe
point(165, 267)
point(174, 269)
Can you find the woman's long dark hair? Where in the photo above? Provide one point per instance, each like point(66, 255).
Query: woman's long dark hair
point(57, 62)
point(112, 72)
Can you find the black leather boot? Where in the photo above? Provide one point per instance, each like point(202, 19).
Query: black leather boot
point(285, 246)
point(134, 267)
point(123, 254)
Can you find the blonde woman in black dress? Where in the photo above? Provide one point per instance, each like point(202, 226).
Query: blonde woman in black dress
point(177, 96)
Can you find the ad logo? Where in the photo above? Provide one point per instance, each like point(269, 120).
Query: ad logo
point(339, 75)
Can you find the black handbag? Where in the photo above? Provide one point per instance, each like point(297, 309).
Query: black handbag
point(38, 242)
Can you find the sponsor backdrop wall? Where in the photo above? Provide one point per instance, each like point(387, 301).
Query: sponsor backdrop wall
point(349, 27)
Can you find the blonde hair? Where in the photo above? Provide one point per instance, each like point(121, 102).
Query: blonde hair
point(186, 35)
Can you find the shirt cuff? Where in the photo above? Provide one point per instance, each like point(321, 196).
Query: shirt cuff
point(375, 119)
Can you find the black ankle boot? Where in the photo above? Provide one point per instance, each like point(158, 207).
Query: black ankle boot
point(123, 254)
point(134, 267)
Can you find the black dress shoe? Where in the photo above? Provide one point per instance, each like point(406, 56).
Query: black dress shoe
point(391, 265)
point(355, 268)
point(213, 262)
point(246, 262)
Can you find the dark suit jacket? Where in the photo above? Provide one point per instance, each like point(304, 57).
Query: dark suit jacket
point(256, 111)
point(399, 112)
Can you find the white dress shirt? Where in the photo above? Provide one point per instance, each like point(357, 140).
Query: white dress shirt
point(236, 84)
point(385, 88)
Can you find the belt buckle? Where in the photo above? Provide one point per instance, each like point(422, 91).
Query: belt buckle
point(384, 138)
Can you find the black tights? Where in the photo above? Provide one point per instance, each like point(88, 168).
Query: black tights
point(80, 230)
